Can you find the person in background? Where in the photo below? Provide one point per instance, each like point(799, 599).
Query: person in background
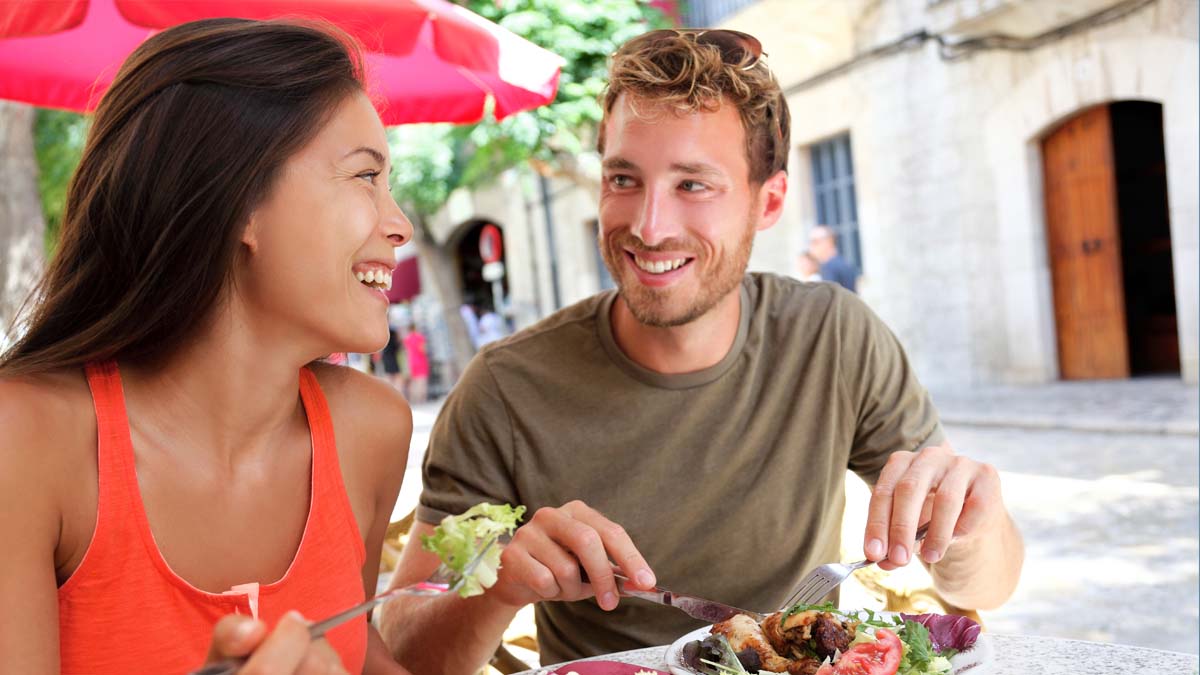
point(822, 242)
point(810, 267)
point(390, 357)
point(694, 426)
point(172, 490)
point(491, 327)
point(418, 364)
point(471, 320)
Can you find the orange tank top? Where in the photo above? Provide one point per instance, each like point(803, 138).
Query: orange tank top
point(125, 611)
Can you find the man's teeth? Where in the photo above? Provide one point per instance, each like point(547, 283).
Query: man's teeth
point(378, 278)
point(658, 266)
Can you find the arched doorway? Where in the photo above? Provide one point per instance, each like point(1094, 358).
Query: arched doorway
point(1109, 241)
point(484, 281)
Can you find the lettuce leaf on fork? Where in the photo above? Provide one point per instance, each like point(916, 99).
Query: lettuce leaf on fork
point(458, 539)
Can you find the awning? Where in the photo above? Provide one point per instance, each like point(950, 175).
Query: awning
point(406, 280)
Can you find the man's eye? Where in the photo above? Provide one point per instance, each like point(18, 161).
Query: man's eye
point(621, 181)
point(691, 186)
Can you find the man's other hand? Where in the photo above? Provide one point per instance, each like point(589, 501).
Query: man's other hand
point(959, 498)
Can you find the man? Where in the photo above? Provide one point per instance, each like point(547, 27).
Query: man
point(693, 427)
point(810, 268)
point(822, 243)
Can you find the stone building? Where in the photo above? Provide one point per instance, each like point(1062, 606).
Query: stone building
point(1015, 180)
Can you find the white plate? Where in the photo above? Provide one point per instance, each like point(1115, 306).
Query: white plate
point(975, 661)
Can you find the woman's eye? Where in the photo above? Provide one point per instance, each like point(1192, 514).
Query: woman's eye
point(369, 176)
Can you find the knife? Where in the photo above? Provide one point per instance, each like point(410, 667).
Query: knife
point(708, 611)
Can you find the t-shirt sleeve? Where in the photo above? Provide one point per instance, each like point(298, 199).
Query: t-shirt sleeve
point(893, 411)
point(469, 458)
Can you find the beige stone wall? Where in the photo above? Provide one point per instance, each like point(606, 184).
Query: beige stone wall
point(947, 168)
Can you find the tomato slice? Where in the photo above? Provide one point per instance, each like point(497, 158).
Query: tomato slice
point(881, 657)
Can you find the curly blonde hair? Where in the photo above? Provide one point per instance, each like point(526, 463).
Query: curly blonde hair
point(675, 71)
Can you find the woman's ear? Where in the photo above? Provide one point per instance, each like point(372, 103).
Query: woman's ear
point(250, 234)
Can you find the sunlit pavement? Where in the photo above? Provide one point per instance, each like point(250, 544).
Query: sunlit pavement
point(1102, 479)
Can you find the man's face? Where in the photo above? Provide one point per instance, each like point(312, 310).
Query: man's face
point(677, 211)
point(822, 247)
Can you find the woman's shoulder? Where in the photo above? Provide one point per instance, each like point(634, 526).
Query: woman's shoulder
point(372, 423)
point(344, 385)
point(47, 439)
point(366, 410)
point(46, 409)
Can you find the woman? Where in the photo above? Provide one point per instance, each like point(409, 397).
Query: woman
point(170, 453)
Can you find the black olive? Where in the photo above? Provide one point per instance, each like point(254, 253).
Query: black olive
point(691, 654)
point(750, 660)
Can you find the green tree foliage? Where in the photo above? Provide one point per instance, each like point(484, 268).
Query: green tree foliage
point(58, 142)
point(431, 161)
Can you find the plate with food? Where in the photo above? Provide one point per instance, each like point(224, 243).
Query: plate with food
point(825, 640)
point(600, 668)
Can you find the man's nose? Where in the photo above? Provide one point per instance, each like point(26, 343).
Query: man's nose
point(655, 221)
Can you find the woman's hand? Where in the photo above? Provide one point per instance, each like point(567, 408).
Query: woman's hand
point(287, 649)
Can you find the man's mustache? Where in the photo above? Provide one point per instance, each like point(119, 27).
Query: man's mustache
point(631, 243)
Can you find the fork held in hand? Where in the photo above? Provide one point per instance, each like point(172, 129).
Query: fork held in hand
point(443, 580)
point(825, 578)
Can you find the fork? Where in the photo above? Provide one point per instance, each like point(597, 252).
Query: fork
point(443, 580)
point(819, 582)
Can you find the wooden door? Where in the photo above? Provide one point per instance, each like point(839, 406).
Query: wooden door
point(1084, 242)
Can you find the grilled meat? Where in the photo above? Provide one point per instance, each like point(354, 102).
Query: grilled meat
point(808, 634)
point(744, 633)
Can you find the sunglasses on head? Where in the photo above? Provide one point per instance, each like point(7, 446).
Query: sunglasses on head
point(737, 48)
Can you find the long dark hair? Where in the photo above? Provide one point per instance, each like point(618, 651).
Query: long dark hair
point(186, 142)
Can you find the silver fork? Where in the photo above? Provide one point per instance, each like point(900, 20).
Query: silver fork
point(825, 578)
point(443, 580)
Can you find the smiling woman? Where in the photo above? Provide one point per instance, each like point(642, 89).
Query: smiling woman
point(165, 431)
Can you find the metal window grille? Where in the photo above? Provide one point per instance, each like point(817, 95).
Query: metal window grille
point(602, 273)
point(708, 13)
point(833, 194)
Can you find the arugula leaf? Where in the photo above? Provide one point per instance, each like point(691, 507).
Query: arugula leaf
point(919, 651)
point(457, 540)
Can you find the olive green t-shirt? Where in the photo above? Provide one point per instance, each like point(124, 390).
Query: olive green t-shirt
point(729, 480)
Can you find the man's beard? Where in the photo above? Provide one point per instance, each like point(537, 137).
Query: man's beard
point(652, 306)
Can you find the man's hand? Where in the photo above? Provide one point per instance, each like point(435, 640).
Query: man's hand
point(959, 498)
point(287, 649)
point(543, 560)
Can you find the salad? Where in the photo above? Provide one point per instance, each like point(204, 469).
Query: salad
point(824, 640)
point(458, 539)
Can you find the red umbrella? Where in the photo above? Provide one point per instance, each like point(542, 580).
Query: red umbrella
point(426, 60)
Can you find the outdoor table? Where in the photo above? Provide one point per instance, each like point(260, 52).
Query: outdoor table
point(1014, 655)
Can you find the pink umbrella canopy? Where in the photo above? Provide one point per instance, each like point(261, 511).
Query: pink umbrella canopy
point(425, 60)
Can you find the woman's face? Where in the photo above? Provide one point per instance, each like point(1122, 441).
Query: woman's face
point(320, 246)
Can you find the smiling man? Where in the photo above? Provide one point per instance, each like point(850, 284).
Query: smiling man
point(694, 426)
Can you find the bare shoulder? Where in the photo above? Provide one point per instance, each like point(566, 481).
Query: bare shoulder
point(45, 419)
point(48, 457)
point(366, 399)
point(372, 421)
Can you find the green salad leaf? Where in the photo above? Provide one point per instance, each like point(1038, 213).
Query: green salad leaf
point(458, 539)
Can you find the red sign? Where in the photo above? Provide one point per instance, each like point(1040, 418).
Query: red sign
point(490, 245)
